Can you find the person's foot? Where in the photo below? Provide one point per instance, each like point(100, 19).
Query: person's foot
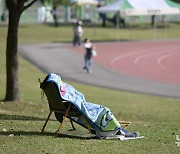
point(132, 134)
point(85, 69)
point(89, 71)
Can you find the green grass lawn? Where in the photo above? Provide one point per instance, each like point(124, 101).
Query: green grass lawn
point(157, 118)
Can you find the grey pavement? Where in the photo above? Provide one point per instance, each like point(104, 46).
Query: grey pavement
point(54, 58)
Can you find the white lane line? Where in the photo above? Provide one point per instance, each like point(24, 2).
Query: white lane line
point(117, 58)
point(149, 54)
point(121, 57)
point(145, 55)
point(159, 61)
point(142, 57)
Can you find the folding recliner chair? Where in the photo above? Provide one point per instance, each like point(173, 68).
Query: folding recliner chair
point(66, 102)
point(58, 105)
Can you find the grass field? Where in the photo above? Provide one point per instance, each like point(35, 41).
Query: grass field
point(157, 118)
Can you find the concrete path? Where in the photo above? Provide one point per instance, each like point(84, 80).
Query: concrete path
point(54, 58)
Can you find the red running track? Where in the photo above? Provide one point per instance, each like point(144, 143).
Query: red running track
point(159, 61)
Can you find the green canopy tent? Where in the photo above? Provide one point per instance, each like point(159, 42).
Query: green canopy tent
point(141, 8)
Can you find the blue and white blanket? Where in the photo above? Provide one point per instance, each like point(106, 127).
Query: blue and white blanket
point(100, 117)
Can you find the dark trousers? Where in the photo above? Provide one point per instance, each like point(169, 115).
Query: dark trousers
point(76, 40)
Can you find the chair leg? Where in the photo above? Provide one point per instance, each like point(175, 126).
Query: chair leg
point(72, 125)
point(125, 126)
point(46, 121)
point(63, 118)
point(125, 123)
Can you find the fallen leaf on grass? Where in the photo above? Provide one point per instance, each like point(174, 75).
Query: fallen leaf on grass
point(4, 130)
point(11, 135)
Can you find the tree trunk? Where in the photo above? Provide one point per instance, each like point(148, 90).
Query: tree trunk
point(12, 88)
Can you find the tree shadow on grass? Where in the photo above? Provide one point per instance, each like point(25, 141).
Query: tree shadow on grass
point(84, 136)
point(64, 134)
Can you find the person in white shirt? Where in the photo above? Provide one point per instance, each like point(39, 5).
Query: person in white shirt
point(78, 32)
point(88, 55)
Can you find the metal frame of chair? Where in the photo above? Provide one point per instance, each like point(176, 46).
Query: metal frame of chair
point(57, 104)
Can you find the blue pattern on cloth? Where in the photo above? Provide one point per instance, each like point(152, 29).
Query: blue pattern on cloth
point(98, 116)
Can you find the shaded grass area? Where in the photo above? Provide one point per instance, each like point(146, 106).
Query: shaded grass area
point(157, 118)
